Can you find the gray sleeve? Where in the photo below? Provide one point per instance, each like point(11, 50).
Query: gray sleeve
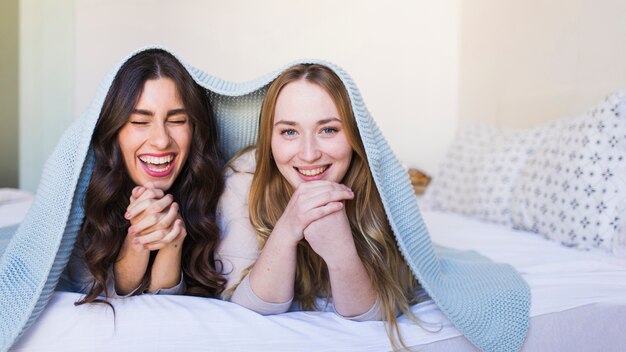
point(178, 289)
point(77, 278)
point(374, 313)
point(244, 296)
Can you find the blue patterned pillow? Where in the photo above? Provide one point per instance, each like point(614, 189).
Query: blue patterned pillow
point(573, 189)
point(480, 170)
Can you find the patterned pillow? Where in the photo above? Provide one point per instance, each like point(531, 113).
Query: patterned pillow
point(573, 189)
point(479, 172)
point(619, 243)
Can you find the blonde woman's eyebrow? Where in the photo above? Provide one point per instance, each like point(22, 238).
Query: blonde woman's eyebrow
point(325, 121)
point(283, 122)
point(320, 122)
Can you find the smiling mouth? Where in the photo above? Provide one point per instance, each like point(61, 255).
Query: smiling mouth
point(312, 172)
point(157, 163)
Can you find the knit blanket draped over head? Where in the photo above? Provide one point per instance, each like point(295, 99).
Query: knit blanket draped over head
point(486, 301)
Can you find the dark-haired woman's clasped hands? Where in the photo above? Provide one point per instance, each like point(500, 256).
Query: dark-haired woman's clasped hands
point(156, 225)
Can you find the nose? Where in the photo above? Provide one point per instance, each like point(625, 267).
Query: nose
point(159, 136)
point(309, 149)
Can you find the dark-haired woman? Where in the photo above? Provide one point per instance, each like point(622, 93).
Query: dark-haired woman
point(150, 204)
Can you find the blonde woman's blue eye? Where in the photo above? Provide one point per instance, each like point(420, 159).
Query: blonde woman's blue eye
point(288, 133)
point(329, 130)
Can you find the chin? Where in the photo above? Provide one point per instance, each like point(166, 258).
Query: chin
point(162, 184)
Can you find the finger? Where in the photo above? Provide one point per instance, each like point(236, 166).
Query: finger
point(321, 186)
point(151, 237)
point(154, 220)
point(320, 212)
point(149, 204)
point(166, 239)
point(136, 193)
point(149, 193)
point(321, 199)
point(327, 193)
point(166, 221)
point(175, 233)
point(147, 207)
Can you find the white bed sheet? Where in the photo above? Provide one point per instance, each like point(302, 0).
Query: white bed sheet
point(574, 293)
point(560, 278)
point(13, 206)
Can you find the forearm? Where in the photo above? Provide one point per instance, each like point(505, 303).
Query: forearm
point(273, 275)
point(166, 269)
point(130, 268)
point(352, 290)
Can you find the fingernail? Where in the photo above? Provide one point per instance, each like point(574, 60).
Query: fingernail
point(127, 215)
point(136, 241)
point(131, 230)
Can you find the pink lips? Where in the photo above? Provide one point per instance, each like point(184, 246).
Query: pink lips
point(166, 172)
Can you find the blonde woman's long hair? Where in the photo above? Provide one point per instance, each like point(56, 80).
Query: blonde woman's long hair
point(270, 192)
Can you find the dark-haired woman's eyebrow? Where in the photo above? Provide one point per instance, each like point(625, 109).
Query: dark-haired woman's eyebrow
point(142, 112)
point(176, 112)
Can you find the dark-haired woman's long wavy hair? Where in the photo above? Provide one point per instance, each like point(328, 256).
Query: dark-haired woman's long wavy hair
point(197, 187)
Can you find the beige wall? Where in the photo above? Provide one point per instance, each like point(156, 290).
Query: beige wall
point(402, 54)
point(524, 62)
point(421, 65)
point(9, 54)
point(46, 82)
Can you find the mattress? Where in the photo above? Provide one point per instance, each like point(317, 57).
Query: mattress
point(578, 304)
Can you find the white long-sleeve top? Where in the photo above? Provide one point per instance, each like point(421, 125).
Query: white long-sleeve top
point(239, 246)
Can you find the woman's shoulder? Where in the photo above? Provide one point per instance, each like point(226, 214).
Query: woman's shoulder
point(243, 162)
point(238, 176)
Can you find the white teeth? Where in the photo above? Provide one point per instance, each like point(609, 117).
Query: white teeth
point(312, 172)
point(156, 160)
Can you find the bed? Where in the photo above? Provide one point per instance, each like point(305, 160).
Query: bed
point(513, 197)
point(578, 304)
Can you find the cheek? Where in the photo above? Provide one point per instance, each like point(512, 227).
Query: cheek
point(184, 138)
point(280, 151)
point(188, 139)
point(343, 151)
point(345, 163)
point(125, 141)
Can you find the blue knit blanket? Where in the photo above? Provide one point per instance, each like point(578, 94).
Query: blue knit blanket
point(487, 302)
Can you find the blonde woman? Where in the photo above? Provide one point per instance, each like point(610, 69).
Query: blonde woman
point(302, 222)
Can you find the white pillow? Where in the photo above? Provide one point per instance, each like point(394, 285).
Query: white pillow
point(479, 172)
point(573, 189)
